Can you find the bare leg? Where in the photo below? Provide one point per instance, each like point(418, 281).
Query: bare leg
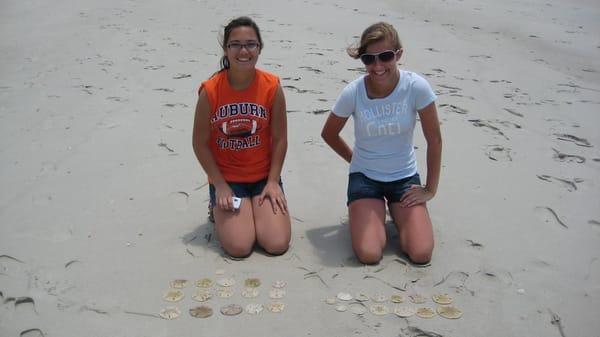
point(367, 229)
point(236, 229)
point(273, 230)
point(415, 231)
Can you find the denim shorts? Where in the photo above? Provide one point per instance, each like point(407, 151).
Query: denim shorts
point(242, 190)
point(362, 187)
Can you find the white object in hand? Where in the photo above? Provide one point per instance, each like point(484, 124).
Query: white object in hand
point(236, 202)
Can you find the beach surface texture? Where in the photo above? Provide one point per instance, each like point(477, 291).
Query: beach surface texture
point(103, 205)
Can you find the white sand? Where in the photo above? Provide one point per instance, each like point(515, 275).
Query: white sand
point(101, 216)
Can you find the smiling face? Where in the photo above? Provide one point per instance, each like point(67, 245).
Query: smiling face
point(380, 72)
point(238, 48)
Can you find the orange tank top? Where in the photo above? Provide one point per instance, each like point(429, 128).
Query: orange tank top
point(240, 136)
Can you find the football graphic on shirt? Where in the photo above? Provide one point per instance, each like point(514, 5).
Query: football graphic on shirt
point(240, 127)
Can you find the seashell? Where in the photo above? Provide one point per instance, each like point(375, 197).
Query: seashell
point(275, 307)
point(279, 284)
point(250, 293)
point(204, 283)
point(442, 299)
point(418, 298)
point(170, 313)
point(357, 309)
point(202, 311)
point(179, 284)
point(276, 293)
point(224, 292)
point(252, 283)
point(173, 296)
point(330, 300)
point(254, 308)
point(341, 308)
point(379, 298)
point(226, 282)
point(425, 312)
point(361, 297)
point(202, 295)
point(396, 298)
point(404, 311)
point(344, 296)
point(231, 309)
point(449, 311)
point(379, 309)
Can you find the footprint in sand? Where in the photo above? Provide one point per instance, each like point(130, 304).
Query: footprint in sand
point(563, 157)
point(570, 185)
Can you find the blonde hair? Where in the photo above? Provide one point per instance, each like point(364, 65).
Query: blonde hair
point(374, 33)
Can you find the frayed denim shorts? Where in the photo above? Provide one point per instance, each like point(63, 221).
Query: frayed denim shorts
point(362, 187)
point(242, 190)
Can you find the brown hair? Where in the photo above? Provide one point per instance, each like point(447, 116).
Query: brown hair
point(242, 21)
point(374, 33)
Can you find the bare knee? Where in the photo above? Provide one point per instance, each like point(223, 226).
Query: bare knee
point(368, 254)
point(237, 250)
point(420, 255)
point(276, 248)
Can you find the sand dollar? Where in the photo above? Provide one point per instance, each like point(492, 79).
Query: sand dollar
point(276, 293)
point(204, 283)
point(250, 292)
point(341, 307)
point(202, 311)
point(342, 296)
point(202, 295)
point(357, 308)
point(396, 298)
point(404, 311)
point(254, 308)
point(361, 297)
point(442, 299)
point(224, 292)
point(418, 298)
point(425, 312)
point(231, 309)
point(179, 283)
point(226, 282)
point(276, 307)
point(279, 284)
point(379, 309)
point(449, 311)
point(252, 283)
point(379, 298)
point(173, 296)
point(170, 313)
point(331, 300)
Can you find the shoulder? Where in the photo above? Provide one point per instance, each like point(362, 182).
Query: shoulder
point(267, 77)
point(353, 86)
point(413, 80)
point(212, 82)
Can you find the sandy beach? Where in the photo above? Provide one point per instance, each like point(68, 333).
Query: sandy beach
point(103, 203)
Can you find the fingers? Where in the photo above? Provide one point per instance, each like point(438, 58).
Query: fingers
point(414, 196)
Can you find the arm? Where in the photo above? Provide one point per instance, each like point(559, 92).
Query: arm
point(279, 144)
point(200, 139)
point(331, 135)
point(433, 137)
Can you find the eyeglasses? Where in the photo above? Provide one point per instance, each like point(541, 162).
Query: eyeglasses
point(250, 46)
point(384, 56)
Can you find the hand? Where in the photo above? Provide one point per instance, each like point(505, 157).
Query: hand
point(224, 197)
point(415, 195)
point(273, 192)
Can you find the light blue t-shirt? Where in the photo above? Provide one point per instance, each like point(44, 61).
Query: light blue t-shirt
point(383, 127)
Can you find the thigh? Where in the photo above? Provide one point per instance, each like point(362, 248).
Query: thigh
point(236, 229)
point(414, 227)
point(367, 223)
point(273, 230)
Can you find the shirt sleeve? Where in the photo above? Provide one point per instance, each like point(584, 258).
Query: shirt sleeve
point(424, 95)
point(345, 104)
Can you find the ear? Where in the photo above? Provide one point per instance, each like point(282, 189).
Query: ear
point(399, 54)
